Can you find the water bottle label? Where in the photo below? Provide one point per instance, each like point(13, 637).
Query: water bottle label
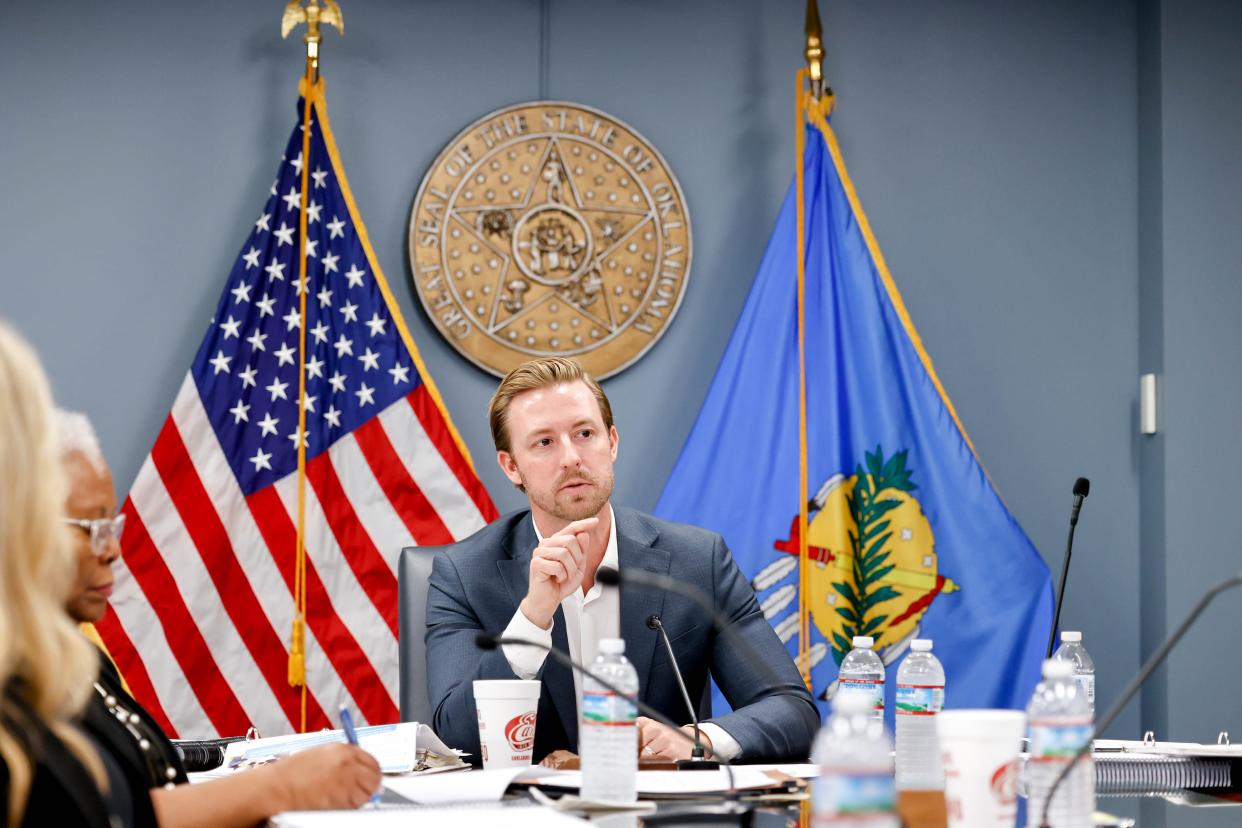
point(919, 699)
point(871, 688)
point(1054, 740)
point(853, 794)
point(1087, 685)
point(608, 709)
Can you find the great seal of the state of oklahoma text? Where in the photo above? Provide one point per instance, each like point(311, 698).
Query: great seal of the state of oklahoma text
point(550, 229)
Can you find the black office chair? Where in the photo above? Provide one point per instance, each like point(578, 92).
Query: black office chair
point(413, 572)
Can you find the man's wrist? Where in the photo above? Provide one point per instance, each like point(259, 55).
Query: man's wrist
point(704, 740)
point(541, 620)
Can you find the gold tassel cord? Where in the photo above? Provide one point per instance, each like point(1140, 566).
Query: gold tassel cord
point(804, 571)
point(297, 649)
point(313, 15)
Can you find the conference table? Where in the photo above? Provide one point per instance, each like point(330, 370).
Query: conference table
point(785, 804)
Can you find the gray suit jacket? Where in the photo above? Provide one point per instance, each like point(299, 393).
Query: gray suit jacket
point(477, 584)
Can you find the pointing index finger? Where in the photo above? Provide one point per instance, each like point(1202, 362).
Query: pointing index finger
point(584, 525)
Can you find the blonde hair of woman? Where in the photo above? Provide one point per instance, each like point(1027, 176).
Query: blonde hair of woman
point(39, 646)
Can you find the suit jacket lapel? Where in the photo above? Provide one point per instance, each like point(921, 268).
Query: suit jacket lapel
point(515, 569)
point(635, 550)
point(558, 680)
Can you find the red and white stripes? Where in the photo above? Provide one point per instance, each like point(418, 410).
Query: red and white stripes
point(203, 603)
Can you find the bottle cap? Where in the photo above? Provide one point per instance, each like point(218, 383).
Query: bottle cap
point(852, 702)
point(863, 642)
point(1057, 669)
point(1071, 637)
point(612, 646)
point(921, 645)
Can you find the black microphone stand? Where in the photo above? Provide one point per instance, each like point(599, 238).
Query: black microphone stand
point(1082, 486)
point(698, 759)
point(1149, 667)
point(732, 810)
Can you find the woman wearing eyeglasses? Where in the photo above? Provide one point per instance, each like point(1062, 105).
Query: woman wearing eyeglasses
point(328, 777)
point(50, 774)
point(333, 776)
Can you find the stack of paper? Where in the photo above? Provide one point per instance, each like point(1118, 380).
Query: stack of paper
point(396, 747)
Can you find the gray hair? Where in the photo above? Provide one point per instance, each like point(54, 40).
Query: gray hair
point(74, 433)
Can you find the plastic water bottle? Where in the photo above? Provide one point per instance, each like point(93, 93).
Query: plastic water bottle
point(608, 736)
point(1071, 650)
point(862, 674)
point(1059, 719)
point(855, 787)
point(920, 696)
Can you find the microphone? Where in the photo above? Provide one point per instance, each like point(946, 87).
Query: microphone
point(650, 580)
point(486, 642)
point(697, 760)
point(1081, 487)
point(1149, 667)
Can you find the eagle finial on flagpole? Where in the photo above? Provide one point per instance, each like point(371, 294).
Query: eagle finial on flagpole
point(814, 47)
point(312, 15)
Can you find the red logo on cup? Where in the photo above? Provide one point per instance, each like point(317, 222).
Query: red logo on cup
point(1005, 783)
point(520, 732)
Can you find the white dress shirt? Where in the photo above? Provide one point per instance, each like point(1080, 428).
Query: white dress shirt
point(589, 618)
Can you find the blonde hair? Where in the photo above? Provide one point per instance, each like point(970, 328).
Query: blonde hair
point(43, 658)
point(539, 373)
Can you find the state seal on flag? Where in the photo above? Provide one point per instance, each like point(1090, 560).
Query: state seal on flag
point(550, 229)
point(874, 568)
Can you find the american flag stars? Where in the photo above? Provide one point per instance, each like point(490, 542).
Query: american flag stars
point(250, 360)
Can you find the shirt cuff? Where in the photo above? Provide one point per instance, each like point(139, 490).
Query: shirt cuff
point(724, 746)
point(526, 662)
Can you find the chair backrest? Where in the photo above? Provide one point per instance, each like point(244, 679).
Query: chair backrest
point(413, 572)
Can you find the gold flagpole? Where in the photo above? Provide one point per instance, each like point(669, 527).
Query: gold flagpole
point(312, 15)
point(809, 85)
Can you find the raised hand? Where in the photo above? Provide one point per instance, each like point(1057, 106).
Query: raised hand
point(557, 567)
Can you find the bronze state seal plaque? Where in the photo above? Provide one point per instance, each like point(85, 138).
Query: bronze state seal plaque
point(550, 229)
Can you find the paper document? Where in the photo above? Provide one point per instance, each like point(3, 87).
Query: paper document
point(673, 782)
point(797, 771)
point(398, 817)
point(461, 786)
point(1168, 748)
point(395, 746)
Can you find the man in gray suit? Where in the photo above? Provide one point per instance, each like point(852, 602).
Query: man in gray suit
point(531, 575)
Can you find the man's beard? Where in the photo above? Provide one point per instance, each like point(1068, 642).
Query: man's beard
point(571, 507)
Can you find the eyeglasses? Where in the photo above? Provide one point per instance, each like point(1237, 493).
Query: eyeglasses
point(103, 531)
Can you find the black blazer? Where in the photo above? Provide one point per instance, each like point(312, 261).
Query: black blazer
point(115, 739)
point(62, 793)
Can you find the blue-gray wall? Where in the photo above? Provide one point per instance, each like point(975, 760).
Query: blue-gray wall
point(1192, 291)
point(1054, 185)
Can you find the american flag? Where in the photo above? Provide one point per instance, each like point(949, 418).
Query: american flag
point(204, 599)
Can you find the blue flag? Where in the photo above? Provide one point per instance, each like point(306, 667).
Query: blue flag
point(907, 536)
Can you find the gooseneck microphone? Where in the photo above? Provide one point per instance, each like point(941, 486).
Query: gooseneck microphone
point(697, 760)
point(1149, 667)
point(486, 642)
point(1082, 486)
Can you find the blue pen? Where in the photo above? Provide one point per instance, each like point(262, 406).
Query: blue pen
point(347, 724)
